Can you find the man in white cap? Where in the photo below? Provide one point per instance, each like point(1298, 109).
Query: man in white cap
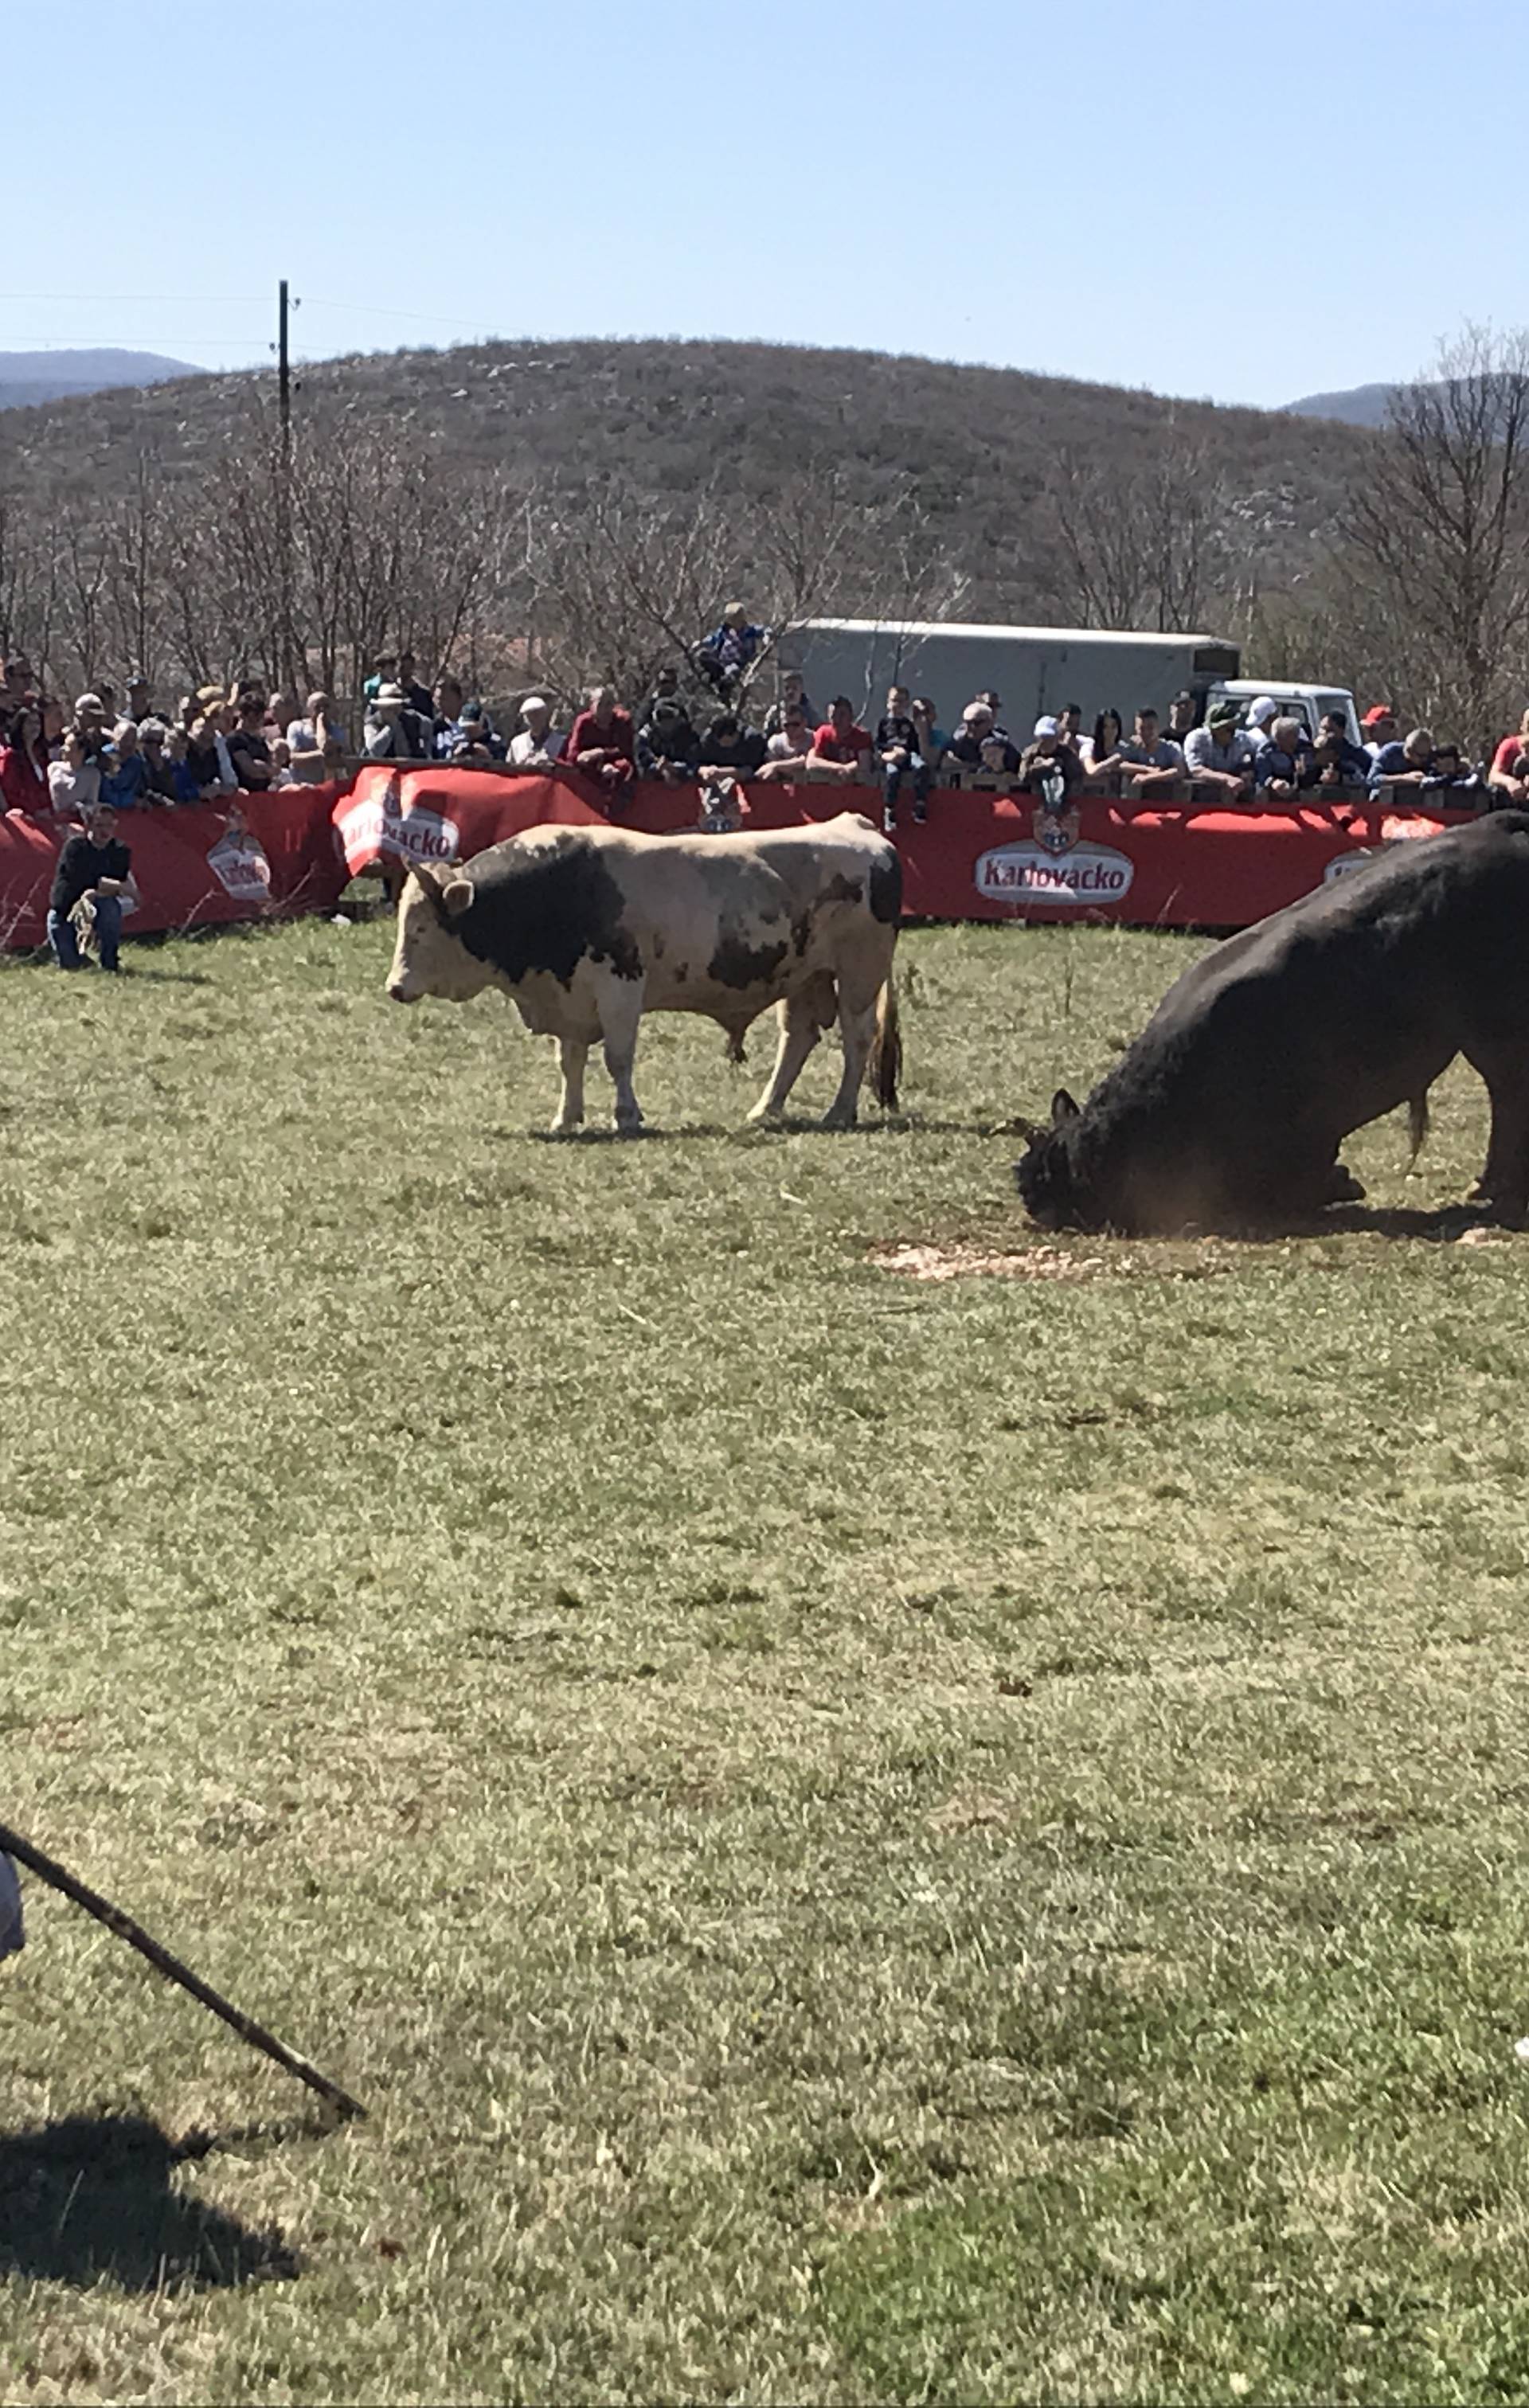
point(1262, 714)
point(394, 732)
point(537, 743)
point(1050, 770)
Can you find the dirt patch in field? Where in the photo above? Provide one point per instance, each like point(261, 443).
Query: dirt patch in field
point(974, 1261)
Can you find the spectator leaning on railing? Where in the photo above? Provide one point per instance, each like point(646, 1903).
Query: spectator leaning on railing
point(1282, 762)
point(841, 747)
point(786, 750)
point(537, 744)
point(1401, 767)
point(1148, 763)
point(1050, 770)
point(1221, 754)
point(602, 743)
point(1508, 775)
point(667, 744)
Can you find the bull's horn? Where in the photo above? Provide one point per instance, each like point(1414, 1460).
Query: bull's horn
point(422, 871)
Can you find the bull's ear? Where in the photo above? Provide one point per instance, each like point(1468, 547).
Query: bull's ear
point(1063, 1108)
point(456, 896)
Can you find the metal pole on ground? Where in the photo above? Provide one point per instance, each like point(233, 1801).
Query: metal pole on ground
point(57, 1877)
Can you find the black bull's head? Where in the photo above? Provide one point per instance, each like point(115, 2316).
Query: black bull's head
point(1046, 1175)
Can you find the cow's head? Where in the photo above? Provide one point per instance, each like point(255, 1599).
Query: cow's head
point(1047, 1177)
point(429, 957)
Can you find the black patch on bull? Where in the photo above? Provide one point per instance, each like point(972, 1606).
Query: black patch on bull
point(887, 888)
point(739, 965)
point(547, 911)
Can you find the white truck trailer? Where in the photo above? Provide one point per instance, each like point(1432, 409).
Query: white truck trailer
point(1036, 671)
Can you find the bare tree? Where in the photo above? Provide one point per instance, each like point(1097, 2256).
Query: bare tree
point(1142, 543)
point(1438, 531)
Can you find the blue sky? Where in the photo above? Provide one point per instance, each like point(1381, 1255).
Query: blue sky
point(1126, 190)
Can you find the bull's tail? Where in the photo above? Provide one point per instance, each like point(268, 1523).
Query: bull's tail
point(1417, 1126)
point(887, 1050)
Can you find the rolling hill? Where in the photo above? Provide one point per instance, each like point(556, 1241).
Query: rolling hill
point(979, 446)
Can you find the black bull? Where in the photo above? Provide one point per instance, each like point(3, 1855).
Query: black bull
point(1229, 1110)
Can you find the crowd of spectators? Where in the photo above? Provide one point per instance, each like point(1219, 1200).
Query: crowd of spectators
point(696, 728)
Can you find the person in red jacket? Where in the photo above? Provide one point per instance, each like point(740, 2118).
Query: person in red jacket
point(602, 744)
point(24, 763)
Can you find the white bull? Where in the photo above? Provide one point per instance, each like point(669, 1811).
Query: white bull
point(586, 928)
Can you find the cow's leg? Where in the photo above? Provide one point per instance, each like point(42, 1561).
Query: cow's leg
point(572, 1055)
point(1505, 1176)
point(801, 1015)
point(857, 1026)
point(621, 1014)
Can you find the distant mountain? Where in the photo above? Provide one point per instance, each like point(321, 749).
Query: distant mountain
point(1362, 404)
point(28, 377)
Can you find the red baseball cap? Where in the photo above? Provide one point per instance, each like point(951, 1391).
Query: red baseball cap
point(1376, 711)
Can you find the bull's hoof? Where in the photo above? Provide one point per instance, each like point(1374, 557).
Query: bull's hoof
point(838, 1117)
point(764, 1113)
point(629, 1124)
point(561, 1127)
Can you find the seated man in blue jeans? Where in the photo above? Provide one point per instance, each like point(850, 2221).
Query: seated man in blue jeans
point(97, 866)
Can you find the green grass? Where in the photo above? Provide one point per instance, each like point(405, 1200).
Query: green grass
point(863, 1840)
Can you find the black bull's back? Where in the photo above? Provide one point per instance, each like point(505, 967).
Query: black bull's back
point(1230, 1108)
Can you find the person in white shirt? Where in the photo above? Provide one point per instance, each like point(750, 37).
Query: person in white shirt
point(539, 744)
point(74, 781)
point(785, 754)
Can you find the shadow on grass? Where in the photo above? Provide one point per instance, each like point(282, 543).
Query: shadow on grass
point(1442, 1227)
point(91, 2198)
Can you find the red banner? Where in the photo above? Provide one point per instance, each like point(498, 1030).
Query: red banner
point(979, 856)
point(275, 855)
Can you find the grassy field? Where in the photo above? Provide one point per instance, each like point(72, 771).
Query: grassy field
point(864, 1840)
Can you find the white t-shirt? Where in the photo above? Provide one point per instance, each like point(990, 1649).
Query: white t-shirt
point(780, 747)
point(73, 790)
point(527, 751)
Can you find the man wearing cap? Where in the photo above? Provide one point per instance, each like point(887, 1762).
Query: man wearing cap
point(1050, 770)
point(94, 868)
point(1261, 714)
point(91, 721)
point(536, 743)
point(394, 732)
point(1221, 754)
point(1380, 726)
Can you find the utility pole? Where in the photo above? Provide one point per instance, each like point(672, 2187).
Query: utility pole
point(286, 666)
